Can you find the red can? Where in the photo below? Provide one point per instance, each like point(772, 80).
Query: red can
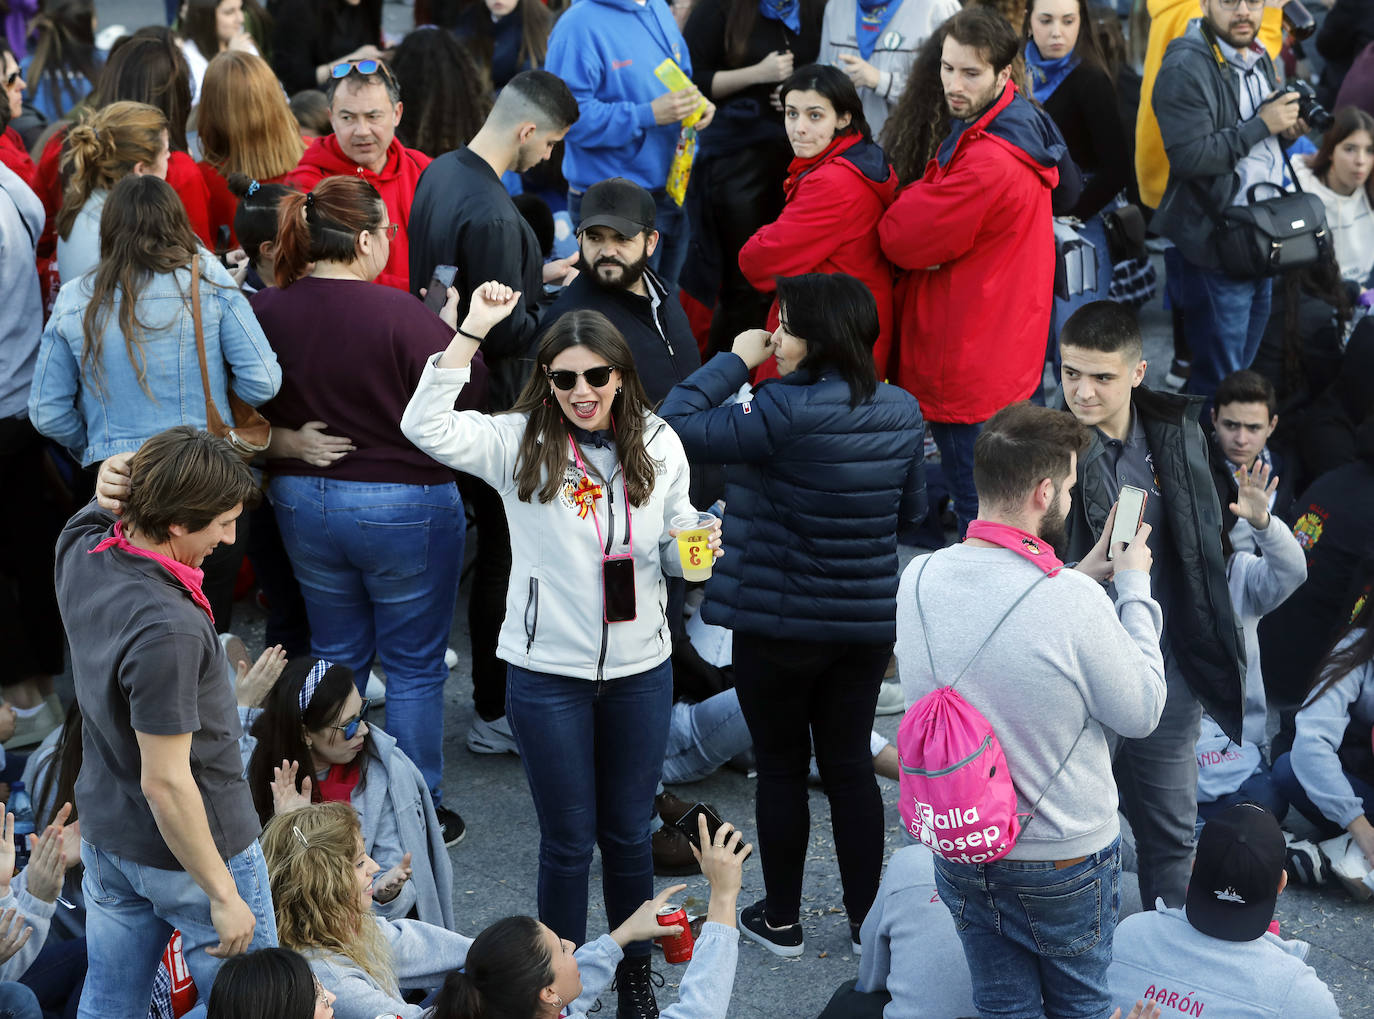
point(676, 947)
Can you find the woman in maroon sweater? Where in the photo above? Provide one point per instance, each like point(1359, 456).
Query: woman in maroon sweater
point(376, 538)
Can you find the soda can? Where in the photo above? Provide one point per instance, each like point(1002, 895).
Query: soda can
point(676, 947)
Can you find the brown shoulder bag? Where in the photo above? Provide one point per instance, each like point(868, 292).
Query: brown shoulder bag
point(251, 432)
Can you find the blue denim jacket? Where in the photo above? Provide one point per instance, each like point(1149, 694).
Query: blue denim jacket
point(118, 415)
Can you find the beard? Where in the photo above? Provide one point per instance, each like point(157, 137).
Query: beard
point(629, 275)
point(1053, 525)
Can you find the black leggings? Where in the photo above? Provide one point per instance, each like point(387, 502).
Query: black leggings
point(795, 694)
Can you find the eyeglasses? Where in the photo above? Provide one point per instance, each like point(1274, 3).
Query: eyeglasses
point(1231, 5)
point(390, 230)
point(350, 728)
point(363, 67)
point(566, 380)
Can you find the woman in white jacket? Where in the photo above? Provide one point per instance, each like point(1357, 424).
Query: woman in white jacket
point(589, 479)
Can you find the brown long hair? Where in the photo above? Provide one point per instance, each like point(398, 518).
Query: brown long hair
point(102, 148)
point(64, 49)
point(543, 454)
point(1086, 48)
point(1349, 119)
point(323, 226)
point(144, 232)
point(1339, 662)
point(244, 122)
point(149, 67)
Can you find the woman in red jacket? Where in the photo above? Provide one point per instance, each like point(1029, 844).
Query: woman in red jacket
point(837, 189)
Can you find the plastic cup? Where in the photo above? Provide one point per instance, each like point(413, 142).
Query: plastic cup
point(693, 548)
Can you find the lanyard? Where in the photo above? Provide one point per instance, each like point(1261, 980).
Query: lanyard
point(629, 519)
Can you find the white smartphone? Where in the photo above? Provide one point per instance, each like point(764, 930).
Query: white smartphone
point(1130, 512)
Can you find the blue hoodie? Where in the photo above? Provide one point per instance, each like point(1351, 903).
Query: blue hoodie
point(606, 52)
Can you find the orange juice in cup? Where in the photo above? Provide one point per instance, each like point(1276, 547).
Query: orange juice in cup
point(693, 548)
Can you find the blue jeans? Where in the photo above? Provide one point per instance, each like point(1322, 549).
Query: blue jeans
point(1223, 321)
point(18, 1002)
point(55, 976)
point(1299, 800)
point(956, 463)
point(702, 737)
point(1038, 939)
point(670, 220)
point(1261, 787)
point(378, 566)
point(592, 753)
point(131, 911)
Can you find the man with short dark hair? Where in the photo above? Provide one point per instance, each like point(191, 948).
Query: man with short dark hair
point(1244, 416)
point(974, 238)
point(1152, 441)
point(364, 109)
point(464, 217)
point(1002, 612)
point(615, 240)
point(1223, 126)
point(169, 833)
point(1218, 957)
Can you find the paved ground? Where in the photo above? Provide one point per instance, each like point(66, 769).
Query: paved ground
point(495, 865)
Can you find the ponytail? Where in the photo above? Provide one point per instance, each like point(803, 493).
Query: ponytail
point(323, 225)
point(103, 148)
point(507, 967)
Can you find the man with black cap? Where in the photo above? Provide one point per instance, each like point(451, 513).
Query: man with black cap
point(616, 238)
point(1218, 957)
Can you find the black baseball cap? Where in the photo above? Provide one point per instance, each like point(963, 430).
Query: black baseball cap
point(1235, 882)
point(620, 204)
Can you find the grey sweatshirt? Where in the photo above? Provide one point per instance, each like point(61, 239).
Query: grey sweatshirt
point(21, 224)
point(1321, 725)
point(422, 955)
point(1063, 657)
point(911, 948)
point(1160, 956)
point(37, 914)
point(706, 986)
point(1259, 584)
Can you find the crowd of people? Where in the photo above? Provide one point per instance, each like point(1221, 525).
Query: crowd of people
point(298, 310)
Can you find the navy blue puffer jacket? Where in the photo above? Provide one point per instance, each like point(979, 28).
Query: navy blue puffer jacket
point(814, 493)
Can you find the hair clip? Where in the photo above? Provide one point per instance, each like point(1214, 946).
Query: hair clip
point(299, 836)
point(312, 682)
point(253, 188)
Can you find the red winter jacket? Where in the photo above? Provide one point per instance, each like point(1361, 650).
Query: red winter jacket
point(223, 202)
point(16, 157)
point(834, 202)
point(396, 182)
point(975, 237)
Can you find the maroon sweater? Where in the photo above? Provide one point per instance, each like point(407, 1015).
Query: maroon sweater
point(351, 354)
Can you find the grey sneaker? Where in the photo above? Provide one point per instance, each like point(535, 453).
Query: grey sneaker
point(492, 737)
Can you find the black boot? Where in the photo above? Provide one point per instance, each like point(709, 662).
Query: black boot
point(635, 989)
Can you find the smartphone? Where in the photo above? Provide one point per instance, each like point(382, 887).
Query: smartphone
point(687, 823)
point(1130, 512)
point(436, 295)
point(618, 588)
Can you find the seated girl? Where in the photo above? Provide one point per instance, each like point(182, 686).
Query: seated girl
point(322, 884)
point(270, 981)
point(520, 969)
point(311, 744)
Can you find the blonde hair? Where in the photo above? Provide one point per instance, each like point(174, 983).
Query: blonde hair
point(310, 855)
point(244, 122)
point(103, 148)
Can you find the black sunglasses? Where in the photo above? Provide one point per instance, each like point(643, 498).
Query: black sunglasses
point(596, 377)
point(350, 728)
point(11, 78)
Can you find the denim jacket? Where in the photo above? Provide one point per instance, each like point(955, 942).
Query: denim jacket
point(115, 414)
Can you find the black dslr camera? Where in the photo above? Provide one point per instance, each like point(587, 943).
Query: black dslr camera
point(1317, 116)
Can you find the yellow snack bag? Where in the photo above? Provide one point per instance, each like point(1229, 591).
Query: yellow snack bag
point(680, 170)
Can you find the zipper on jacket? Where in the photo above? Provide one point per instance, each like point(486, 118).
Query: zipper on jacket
point(531, 609)
point(610, 539)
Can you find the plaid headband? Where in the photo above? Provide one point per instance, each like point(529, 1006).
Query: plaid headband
point(312, 681)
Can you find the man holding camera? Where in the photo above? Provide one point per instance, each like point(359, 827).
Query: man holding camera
point(1222, 120)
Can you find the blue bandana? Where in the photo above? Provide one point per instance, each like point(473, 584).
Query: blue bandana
point(786, 11)
point(870, 18)
point(1047, 75)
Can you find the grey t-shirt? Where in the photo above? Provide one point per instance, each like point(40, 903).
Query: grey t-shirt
point(145, 658)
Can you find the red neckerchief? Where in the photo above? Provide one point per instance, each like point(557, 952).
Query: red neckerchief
point(799, 168)
point(339, 782)
point(1023, 543)
point(188, 576)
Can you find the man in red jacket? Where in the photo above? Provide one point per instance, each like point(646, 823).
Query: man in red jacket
point(973, 239)
point(364, 108)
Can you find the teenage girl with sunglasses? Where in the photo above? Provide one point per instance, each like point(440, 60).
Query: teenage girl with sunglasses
point(312, 744)
point(589, 478)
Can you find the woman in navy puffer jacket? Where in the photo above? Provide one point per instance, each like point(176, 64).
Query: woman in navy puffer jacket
point(821, 467)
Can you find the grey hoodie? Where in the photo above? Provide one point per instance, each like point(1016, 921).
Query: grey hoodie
point(21, 223)
point(422, 955)
point(706, 986)
point(1160, 956)
point(1321, 726)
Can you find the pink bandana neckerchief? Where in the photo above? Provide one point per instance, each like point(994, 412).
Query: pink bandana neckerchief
point(1023, 543)
point(189, 577)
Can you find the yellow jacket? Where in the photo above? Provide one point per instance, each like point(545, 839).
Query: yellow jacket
point(1168, 21)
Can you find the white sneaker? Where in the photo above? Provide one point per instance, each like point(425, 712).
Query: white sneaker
point(492, 737)
point(890, 700)
point(376, 688)
point(450, 658)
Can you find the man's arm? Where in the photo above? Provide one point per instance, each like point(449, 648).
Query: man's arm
point(1194, 147)
point(175, 801)
point(493, 250)
point(933, 223)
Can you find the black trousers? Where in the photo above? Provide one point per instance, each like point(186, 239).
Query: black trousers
point(796, 694)
point(487, 596)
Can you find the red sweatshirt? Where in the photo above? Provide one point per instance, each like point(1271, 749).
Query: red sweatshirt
point(396, 182)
